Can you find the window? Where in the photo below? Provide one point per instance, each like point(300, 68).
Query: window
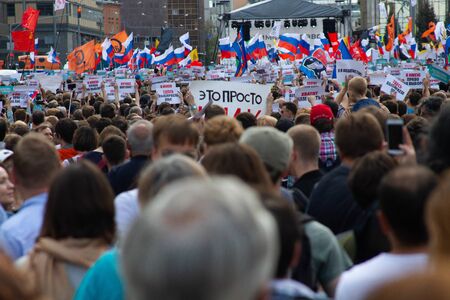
point(45, 8)
point(11, 10)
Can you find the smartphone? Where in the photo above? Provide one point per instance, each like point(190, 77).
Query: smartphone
point(394, 135)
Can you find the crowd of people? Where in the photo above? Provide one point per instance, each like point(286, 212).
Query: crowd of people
point(132, 200)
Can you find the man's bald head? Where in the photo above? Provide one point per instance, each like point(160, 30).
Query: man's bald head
point(140, 138)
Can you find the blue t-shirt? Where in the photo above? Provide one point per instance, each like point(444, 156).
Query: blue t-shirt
point(103, 280)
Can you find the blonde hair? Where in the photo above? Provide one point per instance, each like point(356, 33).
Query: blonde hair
point(266, 121)
point(222, 129)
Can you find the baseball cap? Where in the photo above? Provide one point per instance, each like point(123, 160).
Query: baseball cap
point(273, 146)
point(5, 154)
point(321, 111)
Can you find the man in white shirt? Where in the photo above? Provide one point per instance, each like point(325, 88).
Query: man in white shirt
point(402, 195)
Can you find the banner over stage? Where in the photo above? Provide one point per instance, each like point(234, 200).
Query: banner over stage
point(235, 97)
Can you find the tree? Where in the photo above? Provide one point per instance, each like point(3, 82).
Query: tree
point(425, 15)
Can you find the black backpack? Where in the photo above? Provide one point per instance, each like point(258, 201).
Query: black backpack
point(304, 270)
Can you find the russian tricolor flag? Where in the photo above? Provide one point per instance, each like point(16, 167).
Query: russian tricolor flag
point(186, 42)
point(144, 58)
point(262, 47)
point(132, 63)
point(304, 45)
point(225, 47)
point(179, 53)
point(185, 62)
point(325, 42)
point(107, 50)
point(52, 57)
point(128, 54)
point(289, 42)
point(413, 47)
point(36, 44)
point(253, 48)
point(32, 61)
point(167, 58)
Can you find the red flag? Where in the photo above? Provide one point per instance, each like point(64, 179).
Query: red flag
point(333, 37)
point(30, 18)
point(23, 40)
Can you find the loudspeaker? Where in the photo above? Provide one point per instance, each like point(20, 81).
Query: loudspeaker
point(329, 25)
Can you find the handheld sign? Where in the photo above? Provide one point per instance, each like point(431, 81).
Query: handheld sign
point(346, 67)
point(93, 84)
point(167, 92)
point(394, 85)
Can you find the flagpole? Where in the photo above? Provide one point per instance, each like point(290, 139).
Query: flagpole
point(59, 32)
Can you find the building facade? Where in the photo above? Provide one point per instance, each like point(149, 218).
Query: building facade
point(111, 18)
point(145, 18)
point(62, 30)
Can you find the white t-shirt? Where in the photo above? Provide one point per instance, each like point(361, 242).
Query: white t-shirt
point(358, 282)
point(127, 210)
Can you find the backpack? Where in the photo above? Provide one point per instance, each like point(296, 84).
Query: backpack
point(304, 270)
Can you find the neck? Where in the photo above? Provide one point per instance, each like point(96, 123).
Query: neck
point(301, 168)
point(26, 193)
point(348, 162)
point(134, 154)
point(400, 248)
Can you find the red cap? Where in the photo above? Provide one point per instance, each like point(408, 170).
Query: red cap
point(320, 111)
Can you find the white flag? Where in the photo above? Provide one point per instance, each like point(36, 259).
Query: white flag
point(60, 4)
point(383, 12)
point(413, 3)
point(276, 29)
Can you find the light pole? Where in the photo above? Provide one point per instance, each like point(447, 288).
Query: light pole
point(78, 22)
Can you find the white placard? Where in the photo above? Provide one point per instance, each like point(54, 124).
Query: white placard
point(377, 78)
point(19, 98)
point(346, 67)
point(93, 84)
point(110, 93)
point(167, 92)
point(235, 97)
point(125, 86)
point(412, 78)
point(34, 83)
point(303, 93)
point(395, 86)
point(50, 82)
point(309, 83)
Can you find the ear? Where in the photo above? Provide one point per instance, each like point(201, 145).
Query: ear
point(384, 223)
point(296, 254)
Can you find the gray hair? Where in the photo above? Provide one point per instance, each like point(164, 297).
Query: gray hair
point(164, 171)
point(140, 137)
point(203, 240)
point(135, 110)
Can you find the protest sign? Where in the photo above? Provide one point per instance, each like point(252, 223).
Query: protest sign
point(20, 95)
point(377, 78)
point(125, 86)
point(302, 93)
point(158, 79)
point(33, 83)
point(120, 73)
point(412, 78)
point(312, 82)
point(93, 84)
point(50, 82)
point(110, 93)
point(394, 85)
point(167, 92)
point(347, 67)
point(439, 73)
point(5, 90)
point(288, 74)
point(235, 97)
